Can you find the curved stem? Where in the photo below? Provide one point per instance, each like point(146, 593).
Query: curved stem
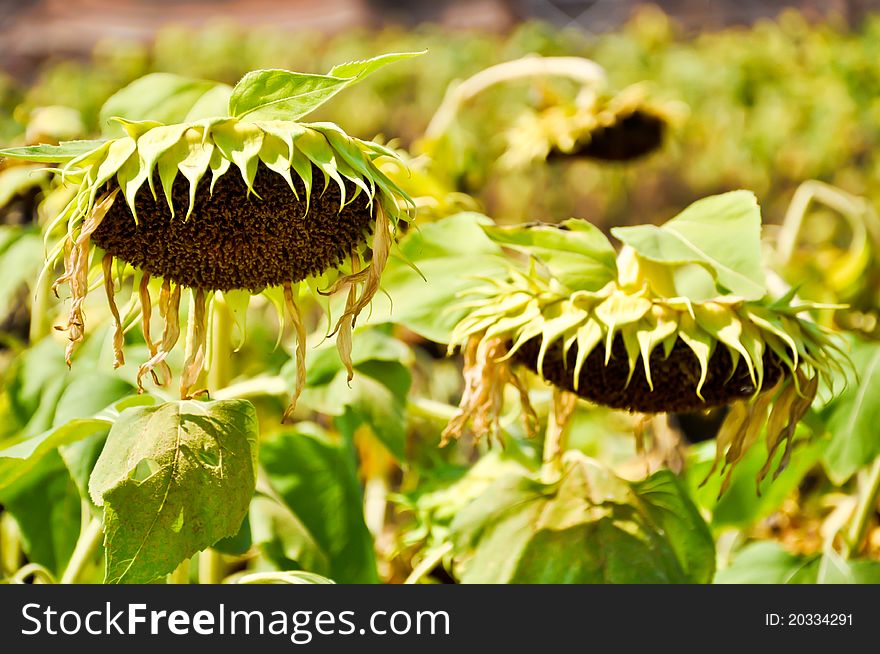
point(39, 574)
point(864, 509)
point(581, 70)
point(428, 563)
point(854, 209)
point(89, 539)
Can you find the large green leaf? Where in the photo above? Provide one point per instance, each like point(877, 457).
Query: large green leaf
point(721, 233)
point(173, 479)
point(590, 527)
point(61, 408)
point(317, 483)
point(285, 95)
point(46, 506)
point(853, 416)
point(452, 255)
point(163, 97)
point(578, 255)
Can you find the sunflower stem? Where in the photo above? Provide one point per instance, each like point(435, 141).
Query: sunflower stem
point(89, 539)
point(10, 545)
point(211, 567)
point(219, 373)
point(180, 574)
point(867, 503)
point(583, 71)
point(190, 342)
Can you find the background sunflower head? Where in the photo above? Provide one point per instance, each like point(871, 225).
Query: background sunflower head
point(679, 320)
point(599, 125)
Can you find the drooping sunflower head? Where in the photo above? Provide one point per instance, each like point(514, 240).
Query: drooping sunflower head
point(597, 125)
point(237, 202)
point(680, 320)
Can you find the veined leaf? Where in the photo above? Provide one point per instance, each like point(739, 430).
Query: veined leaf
point(579, 255)
point(286, 95)
point(281, 94)
point(590, 527)
point(360, 69)
point(173, 479)
point(721, 233)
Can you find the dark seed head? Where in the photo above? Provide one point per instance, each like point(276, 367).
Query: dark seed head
point(631, 137)
point(236, 240)
point(675, 378)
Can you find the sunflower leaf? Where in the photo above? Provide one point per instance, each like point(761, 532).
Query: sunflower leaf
point(173, 479)
point(163, 97)
point(578, 255)
point(361, 69)
point(286, 95)
point(61, 153)
point(721, 233)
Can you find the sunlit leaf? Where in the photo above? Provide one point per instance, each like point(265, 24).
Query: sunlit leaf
point(578, 255)
point(163, 97)
point(721, 232)
point(173, 479)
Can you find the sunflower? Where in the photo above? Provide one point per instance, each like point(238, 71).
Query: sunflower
point(679, 320)
point(252, 202)
point(605, 126)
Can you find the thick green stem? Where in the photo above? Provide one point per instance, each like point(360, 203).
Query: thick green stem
point(211, 567)
point(857, 211)
point(867, 505)
point(10, 545)
point(220, 371)
point(89, 540)
point(180, 574)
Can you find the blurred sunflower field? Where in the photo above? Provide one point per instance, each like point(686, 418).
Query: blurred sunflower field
point(444, 307)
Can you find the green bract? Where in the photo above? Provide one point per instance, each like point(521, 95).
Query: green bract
point(232, 195)
point(680, 320)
